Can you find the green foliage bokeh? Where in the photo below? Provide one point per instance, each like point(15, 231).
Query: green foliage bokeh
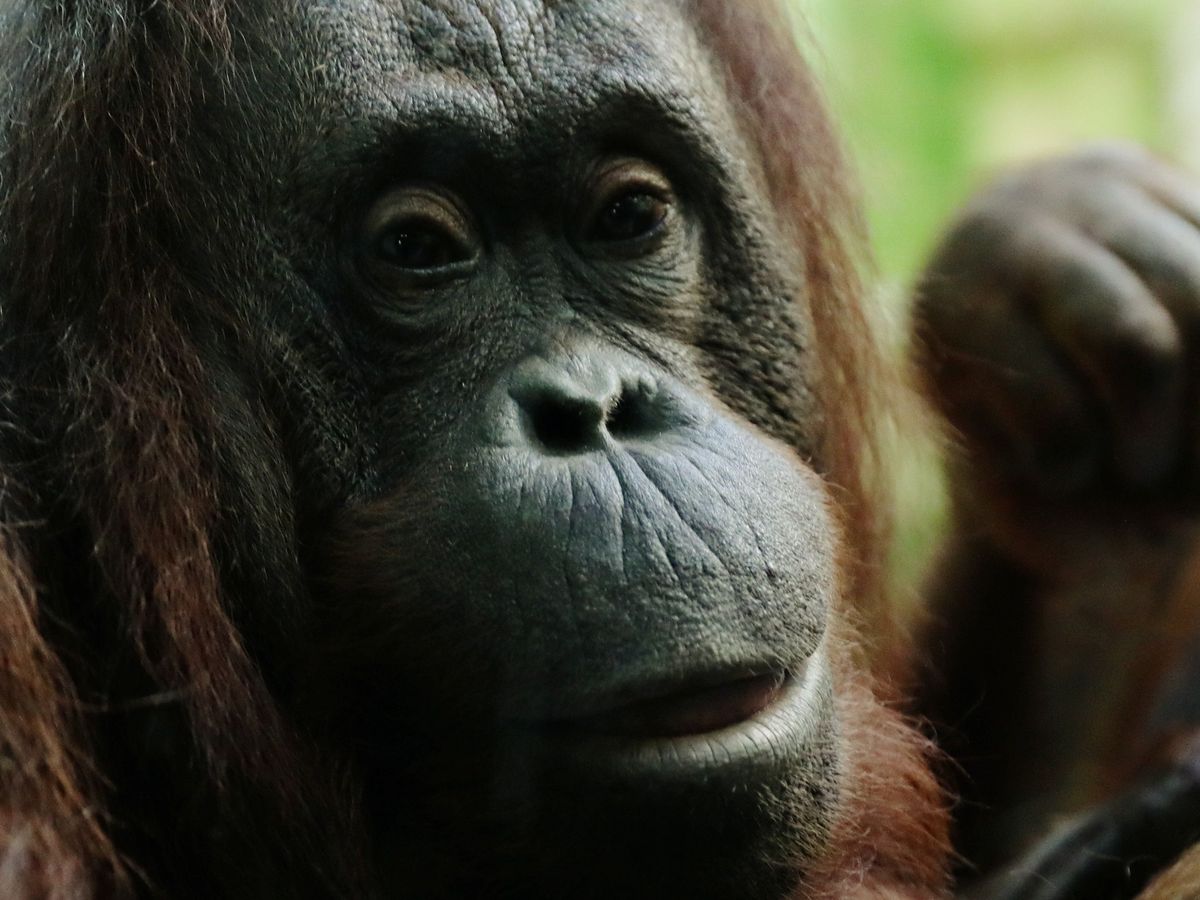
point(934, 95)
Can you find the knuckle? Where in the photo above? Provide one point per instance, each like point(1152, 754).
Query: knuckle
point(989, 220)
point(1109, 156)
point(970, 245)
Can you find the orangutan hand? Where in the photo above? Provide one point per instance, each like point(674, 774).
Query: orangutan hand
point(1059, 330)
point(1116, 848)
point(1058, 326)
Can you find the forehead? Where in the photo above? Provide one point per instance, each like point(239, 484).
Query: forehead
point(496, 41)
point(504, 57)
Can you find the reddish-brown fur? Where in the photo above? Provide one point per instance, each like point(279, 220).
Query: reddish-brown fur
point(1181, 880)
point(101, 167)
point(891, 839)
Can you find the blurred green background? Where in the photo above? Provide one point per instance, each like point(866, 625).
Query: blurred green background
point(934, 96)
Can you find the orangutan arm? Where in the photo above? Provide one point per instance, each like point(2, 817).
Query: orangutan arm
point(1057, 331)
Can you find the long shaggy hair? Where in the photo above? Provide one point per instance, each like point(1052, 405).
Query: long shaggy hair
point(113, 501)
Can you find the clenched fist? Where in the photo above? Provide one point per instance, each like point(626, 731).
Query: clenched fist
point(1060, 324)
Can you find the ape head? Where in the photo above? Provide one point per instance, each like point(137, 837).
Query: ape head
point(456, 416)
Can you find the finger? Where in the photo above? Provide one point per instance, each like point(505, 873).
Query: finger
point(1169, 185)
point(1175, 190)
point(1000, 384)
point(1120, 338)
point(1119, 846)
point(1163, 248)
point(1158, 244)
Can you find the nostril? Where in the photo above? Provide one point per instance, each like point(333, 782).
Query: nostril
point(565, 425)
point(631, 417)
point(637, 412)
point(562, 415)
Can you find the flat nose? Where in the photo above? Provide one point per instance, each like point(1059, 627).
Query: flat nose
point(586, 404)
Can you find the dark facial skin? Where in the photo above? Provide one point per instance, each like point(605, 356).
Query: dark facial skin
point(573, 577)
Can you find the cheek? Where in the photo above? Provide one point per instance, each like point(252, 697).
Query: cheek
point(755, 342)
point(502, 589)
point(774, 385)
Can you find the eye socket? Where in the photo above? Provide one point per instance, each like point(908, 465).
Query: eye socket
point(418, 234)
point(632, 208)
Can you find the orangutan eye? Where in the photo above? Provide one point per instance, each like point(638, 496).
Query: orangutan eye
point(632, 208)
point(420, 234)
point(420, 246)
point(632, 216)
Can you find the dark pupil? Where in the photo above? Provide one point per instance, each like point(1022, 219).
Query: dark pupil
point(418, 247)
point(632, 216)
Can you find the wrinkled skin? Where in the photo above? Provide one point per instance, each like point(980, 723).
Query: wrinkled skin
point(564, 507)
point(1059, 326)
point(446, 427)
point(455, 421)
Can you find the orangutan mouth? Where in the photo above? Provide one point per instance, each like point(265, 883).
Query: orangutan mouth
point(691, 710)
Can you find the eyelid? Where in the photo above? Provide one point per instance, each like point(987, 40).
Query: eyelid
point(418, 202)
point(623, 173)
